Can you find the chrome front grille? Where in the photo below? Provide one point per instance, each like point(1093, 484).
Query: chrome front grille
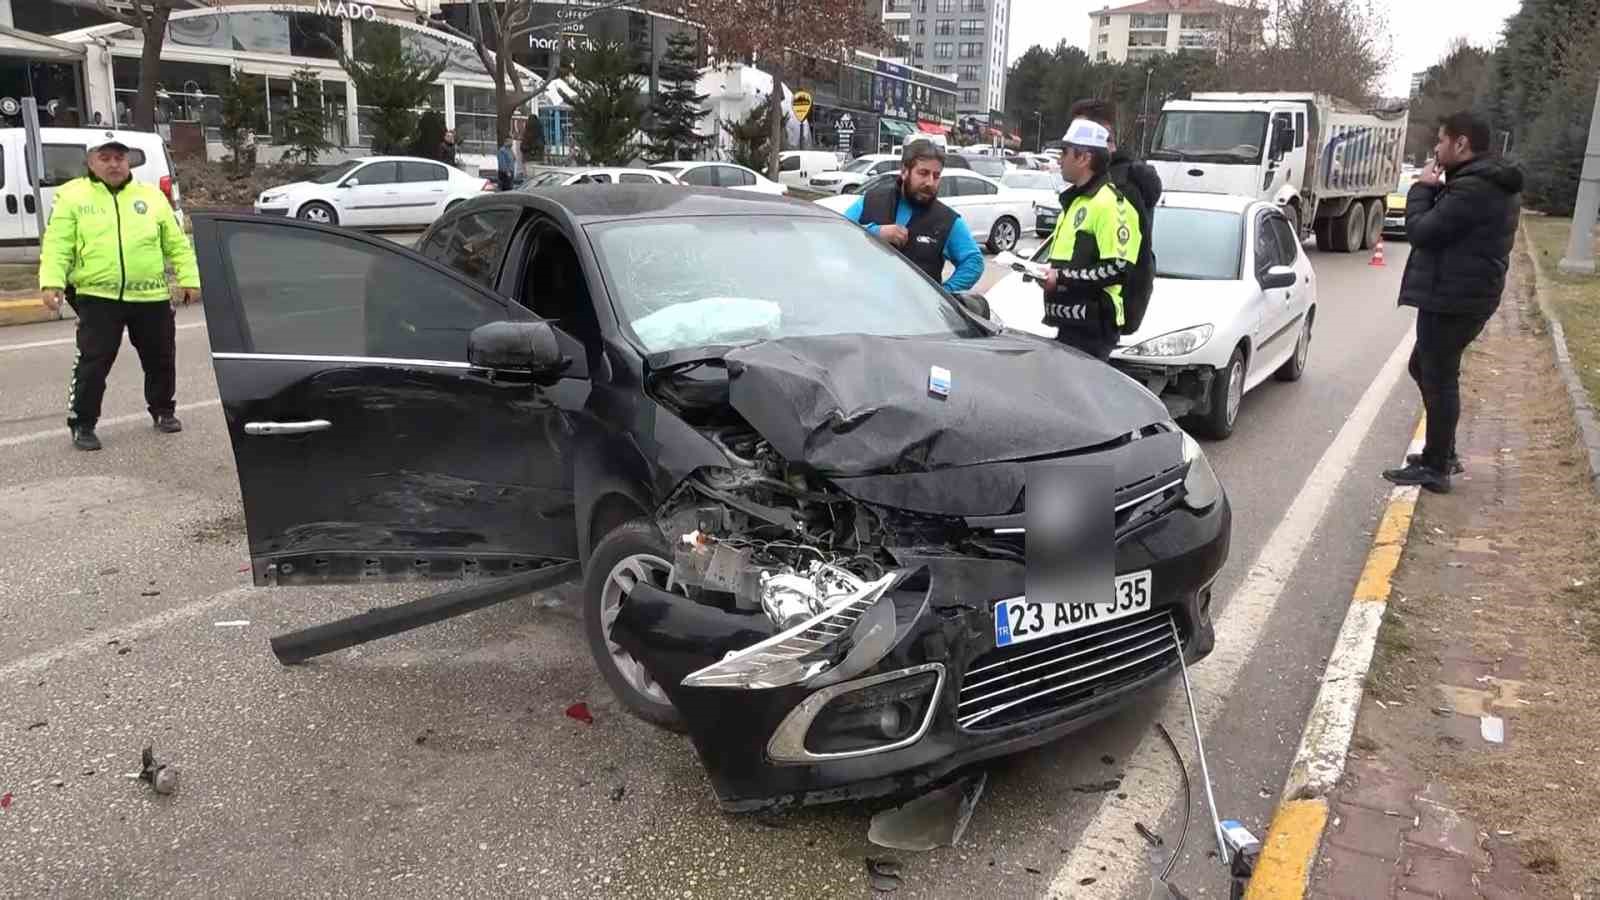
point(1012, 684)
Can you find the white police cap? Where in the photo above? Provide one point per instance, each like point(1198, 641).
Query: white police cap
point(1084, 133)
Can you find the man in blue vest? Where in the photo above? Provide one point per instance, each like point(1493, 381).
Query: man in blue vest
point(906, 214)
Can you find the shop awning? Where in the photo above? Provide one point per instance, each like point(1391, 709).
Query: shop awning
point(932, 128)
point(27, 45)
point(897, 128)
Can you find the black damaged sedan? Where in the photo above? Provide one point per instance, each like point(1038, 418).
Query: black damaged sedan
point(793, 469)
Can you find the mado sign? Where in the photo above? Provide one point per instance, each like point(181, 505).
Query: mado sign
point(342, 10)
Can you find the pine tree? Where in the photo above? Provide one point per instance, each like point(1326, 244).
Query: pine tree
point(606, 108)
point(750, 136)
point(306, 130)
point(676, 109)
point(533, 140)
point(243, 98)
point(395, 80)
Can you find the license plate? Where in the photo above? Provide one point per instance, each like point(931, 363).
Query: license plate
point(1017, 621)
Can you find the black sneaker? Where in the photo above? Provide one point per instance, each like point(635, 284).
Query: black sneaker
point(168, 424)
point(1420, 475)
point(83, 438)
point(1415, 459)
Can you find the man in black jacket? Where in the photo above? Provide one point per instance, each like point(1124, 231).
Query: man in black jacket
point(1461, 227)
point(1140, 184)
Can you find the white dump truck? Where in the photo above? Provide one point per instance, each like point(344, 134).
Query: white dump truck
point(1327, 163)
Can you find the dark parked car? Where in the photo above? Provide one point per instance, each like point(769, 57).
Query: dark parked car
point(792, 466)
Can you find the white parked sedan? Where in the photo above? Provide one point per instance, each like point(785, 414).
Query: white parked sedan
point(850, 177)
point(993, 212)
point(1235, 301)
point(723, 175)
point(375, 192)
point(597, 175)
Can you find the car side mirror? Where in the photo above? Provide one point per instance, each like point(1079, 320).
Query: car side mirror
point(1285, 140)
point(975, 303)
point(516, 346)
point(1278, 277)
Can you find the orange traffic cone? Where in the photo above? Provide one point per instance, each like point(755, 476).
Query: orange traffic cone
point(1377, 254)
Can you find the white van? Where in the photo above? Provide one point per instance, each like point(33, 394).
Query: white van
point(796, 168)
point(65, 152)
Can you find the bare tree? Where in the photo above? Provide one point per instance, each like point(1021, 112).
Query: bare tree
point(1339, 47)
point(503, 24)
point(762, 30)
point(150, 17)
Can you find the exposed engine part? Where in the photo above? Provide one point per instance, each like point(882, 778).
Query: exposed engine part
point(790, 598)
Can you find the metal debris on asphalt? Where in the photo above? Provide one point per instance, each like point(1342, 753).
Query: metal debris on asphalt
point(231, 623)
point(883, 874)
point(160, 776)
point(1098, 787)
point(38, 725)
point(935, 819)
point(580, 711)
point(1147, 834)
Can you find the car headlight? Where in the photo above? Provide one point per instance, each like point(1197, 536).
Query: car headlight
point(1201, 487)
point(272, 198)
point(1040, 209)
point(1176, 343)
point(841, 642)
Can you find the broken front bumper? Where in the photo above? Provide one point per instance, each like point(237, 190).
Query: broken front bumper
point(944, 696)
point(1186, 390)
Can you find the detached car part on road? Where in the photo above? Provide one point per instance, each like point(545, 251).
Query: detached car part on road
point(795, 480)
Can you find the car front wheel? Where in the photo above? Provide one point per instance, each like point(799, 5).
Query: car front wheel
point(1227, 394)
point(633, 553)
point(1296, 366)
point(319, 212)
point(1003, 236)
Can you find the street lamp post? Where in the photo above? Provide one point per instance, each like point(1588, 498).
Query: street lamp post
point(1038, 146)
point(1579, 259)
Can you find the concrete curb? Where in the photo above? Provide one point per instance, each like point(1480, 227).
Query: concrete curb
point(1582, 407)
point(1290, 848)
point(27, 308)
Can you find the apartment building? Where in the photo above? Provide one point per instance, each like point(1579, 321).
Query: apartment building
point(965, 38)
point(1145, 29)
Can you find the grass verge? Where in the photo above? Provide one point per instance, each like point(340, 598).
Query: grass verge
point(1576, 299)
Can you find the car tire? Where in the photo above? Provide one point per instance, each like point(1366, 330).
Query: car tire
point(318, 212)
point(1374, 225)
point(1323, 229)
point(1296, 366)
point(1350, 228)
point(1227, 395)
point(849, 189)
point(1004, 234)
point(631, 549)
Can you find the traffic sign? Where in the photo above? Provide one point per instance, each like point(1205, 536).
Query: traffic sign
point(802, 105)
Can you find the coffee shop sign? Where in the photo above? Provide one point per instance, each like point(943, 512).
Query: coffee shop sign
point(339, 9)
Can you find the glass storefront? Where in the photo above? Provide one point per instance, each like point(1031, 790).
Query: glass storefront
point(52, 85)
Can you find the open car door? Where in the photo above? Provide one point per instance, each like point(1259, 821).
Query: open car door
point(368, 447)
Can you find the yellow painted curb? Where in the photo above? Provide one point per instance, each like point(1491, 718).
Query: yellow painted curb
point(1377, 577)
point(1289, 851)
point(22, 303)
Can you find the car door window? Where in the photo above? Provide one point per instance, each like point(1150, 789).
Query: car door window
point(1288, 245)
point(1266, 245)
point(419, 171)
point(311, 293)
point(949, 186)
point(636, 178)
point(377, 173)
point(477, 243)
point(789, 164)
point(729, 176)
point(887, 165)
point(595, 178)
point(977, 187)
point(704, 176)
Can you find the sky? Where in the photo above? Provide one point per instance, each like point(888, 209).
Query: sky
point(1423, 29)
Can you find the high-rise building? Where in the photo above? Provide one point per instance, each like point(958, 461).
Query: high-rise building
point(966, 38)
point(1146, 29)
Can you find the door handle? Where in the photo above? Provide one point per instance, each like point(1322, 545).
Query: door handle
point(11, 204)
point(27, 202)
point(271, 428)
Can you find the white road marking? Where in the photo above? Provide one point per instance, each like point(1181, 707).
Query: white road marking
point(96, 642)
point(60, 433)
point(1109, 851)
point(62, 342)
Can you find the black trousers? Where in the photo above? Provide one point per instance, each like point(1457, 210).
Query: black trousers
point(1094, 343)
point(1435, 366)
point(152, 327)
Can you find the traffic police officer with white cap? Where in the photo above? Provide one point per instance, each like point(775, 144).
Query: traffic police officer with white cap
point(1094, 248)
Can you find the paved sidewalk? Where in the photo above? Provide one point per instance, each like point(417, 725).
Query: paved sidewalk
point(1430, 804)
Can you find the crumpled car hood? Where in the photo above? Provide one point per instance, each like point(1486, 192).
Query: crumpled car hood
point(851, 405)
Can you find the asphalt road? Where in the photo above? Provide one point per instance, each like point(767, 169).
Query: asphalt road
point(440, 762)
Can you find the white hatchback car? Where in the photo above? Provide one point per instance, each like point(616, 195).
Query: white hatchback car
point(375, 192)
point(723, 175)
point(993, 212)
point(1235, 301)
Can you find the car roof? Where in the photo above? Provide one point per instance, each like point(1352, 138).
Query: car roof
point(1235, 203)
point(588, 204)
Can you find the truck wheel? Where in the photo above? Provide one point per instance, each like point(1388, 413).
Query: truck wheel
point(633, 552)
point(1375, 214)
point(1324, 232)
point(1349, 228)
